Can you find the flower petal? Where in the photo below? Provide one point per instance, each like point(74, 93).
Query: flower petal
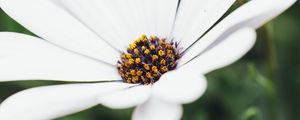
point(253, 14)
point(166, 11)
point(225, 52)
point(23, 57)
point(126, 98)
point(52, 23)
point(102, 17)
point(51, 102)
point(155, 109)
point(180, 86)
point(195, 17)
point(122, 21)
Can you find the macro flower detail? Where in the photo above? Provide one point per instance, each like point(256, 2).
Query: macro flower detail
point(147, 59)
point(96, 41)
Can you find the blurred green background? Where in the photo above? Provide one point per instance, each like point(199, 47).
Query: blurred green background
point(264, 85)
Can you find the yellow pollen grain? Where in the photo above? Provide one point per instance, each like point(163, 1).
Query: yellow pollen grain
point(133, 72)
point(170, 55)
point(127, 73)
point(164, 69)
point(144, 36)
point(139, 73)
point(163, 62)
point(137, 41)
point(168, 46)
point(169, 51)
point(135, 79)
point(146, 66)
point(152, 47)
point(161, 53)
point(128, 56)
point(131, 61)
point(148, 75)
point(172, 64)
point(154, 57)
point(152, 39)
point(136, 51)
point(147, 51)
point(123, 56)
point(154, 69)
point(138, 60)
point(129, 80)
point(163, 43)
point(143, 48)
point(160, 47)
point(127, 64)
point(132, 46)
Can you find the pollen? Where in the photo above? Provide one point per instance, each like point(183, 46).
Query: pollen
point(138, 60)
point(147, 51)
point(147, 59)
point(161, 53)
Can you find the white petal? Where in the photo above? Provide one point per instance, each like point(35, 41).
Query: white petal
point(166, 10)
point(225, 52)
point(52, 23)
point(155, 109)
point(23, 57)
point(253, 14)
point(54, 101)
point(102, 17)
point(126, 98)
point(180, 86)
point(195, 17)
point(150, 10)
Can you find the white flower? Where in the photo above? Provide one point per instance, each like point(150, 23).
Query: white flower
point(82, 40)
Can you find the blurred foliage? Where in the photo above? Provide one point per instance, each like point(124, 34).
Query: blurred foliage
point(264, 85)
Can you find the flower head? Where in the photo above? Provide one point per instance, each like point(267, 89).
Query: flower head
point(147, 59)
point(95, 41)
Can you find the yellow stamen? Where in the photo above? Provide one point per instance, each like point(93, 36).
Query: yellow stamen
point(152, 47)
point(170, 55)
point(169, 51)
point(154, 57)
point(146, 66)
point(136, 51)
point(127, 64)
point(131, 61)
point(147, 51)
point(139, 73)
point(148, 75)
point(135, 79)
point(143, 48)
point(164, 69)
point(168, 46)
point(129, 80)
point(138, 60)
point(161, 53)
point(123, 56)
point(163, 62)
point(154, 69)
point(132, 72)
point(152, 39)
point(132, 46)
point(128, 56)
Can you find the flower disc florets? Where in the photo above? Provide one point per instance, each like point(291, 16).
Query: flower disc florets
point(147, 59)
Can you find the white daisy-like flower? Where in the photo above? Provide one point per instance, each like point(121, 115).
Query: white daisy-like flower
point(152, 54)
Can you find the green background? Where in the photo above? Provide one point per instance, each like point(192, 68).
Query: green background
point(263, 85)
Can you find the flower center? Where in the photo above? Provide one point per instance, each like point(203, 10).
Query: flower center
point(147, 59)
